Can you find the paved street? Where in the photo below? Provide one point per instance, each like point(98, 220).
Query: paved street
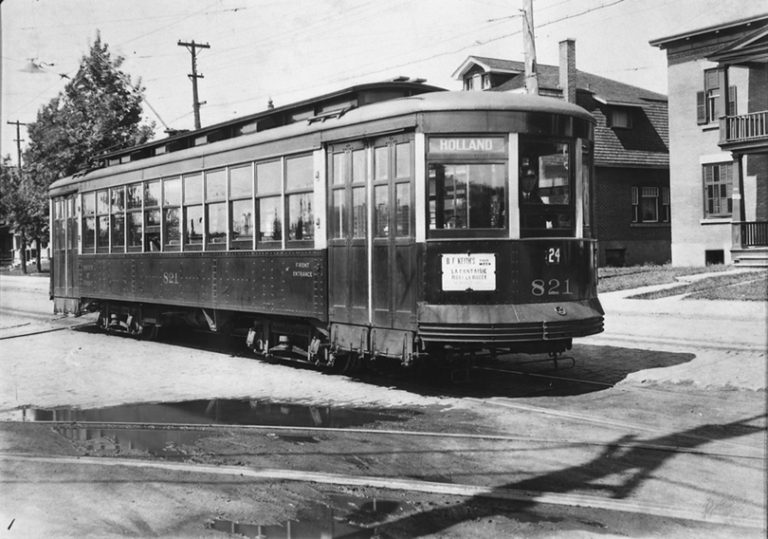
point(650, 433)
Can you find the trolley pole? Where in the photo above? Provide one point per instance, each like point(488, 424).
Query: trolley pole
point(19, 140)
point(529, 41)
point(192, 47)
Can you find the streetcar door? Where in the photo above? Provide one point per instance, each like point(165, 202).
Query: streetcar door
point(347, 233)
point(65, 246)
point(393, 265)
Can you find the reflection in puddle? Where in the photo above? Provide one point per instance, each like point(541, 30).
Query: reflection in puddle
point(321, 522)
point(146, 437)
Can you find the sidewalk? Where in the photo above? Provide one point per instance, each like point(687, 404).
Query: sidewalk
point(729, 325)
point(619, 302)
point(727, 340)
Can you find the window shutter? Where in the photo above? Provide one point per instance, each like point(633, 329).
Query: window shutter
point(701, 108)
point(731, 101)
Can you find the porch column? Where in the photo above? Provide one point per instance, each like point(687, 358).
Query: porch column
point(737, 213)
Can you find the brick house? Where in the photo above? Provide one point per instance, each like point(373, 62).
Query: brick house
point(718, 121)
point(631, 150)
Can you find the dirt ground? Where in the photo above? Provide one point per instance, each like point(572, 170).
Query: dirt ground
point(685, 374)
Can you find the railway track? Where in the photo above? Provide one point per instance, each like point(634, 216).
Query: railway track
point(747, 452)
point(244, 473)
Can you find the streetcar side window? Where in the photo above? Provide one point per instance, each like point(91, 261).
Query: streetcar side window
point(102, 221)
point(268, 204)
point(134, 203)
point(216, 210)
point(172, 214)
point(299, 178)
point(241, 207)
point(89, 222)
point(117, 219)
point(193, 212)
point(152, 217)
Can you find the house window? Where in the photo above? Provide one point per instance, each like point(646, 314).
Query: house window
point(713, 102)
point(648, 205)
point(666, 213)
point(718, 189)
point(620, 118)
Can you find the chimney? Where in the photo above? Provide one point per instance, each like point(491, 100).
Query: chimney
point(568, 69)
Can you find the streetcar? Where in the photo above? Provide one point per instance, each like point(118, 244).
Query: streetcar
point(386, 221)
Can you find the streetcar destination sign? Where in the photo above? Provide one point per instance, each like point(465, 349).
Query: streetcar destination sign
point(466, 145)
point(463, 272)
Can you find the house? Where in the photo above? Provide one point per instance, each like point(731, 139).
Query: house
point(718, 121)
point(631, 150)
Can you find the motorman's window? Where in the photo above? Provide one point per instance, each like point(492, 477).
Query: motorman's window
point(299, 180)
point(134, 195)
point(241, 207)
point(89, 222)
point(152, 216)
point(102, 221)
point(546, 189)
point(172, 214)
point(216, 210)
point(117, 219)
point(268, 203)
point(193, 212)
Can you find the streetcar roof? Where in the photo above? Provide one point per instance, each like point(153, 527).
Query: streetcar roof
point(430, 102)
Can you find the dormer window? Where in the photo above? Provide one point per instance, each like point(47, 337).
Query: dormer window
point(620, 118)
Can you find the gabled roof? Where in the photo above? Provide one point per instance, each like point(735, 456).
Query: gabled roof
point(646, 145)
point(751, 48)
point(489, 65)
point(664, 42)
point(604, 90)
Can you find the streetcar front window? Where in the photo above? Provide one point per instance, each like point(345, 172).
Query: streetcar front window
point(467, 196)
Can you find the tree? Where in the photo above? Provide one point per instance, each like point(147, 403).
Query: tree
point(23, 207)
point(98, 111)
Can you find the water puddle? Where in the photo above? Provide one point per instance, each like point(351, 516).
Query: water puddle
point(144, 434)
point(346, 517)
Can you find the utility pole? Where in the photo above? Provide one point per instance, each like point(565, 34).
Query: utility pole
point(192, 47)
point(19, 140)
point(22, 237)
point(529, 41)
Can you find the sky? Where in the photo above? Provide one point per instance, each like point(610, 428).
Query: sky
point(289, 50)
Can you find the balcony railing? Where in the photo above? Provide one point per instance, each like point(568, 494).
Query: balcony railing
point(752, 127)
